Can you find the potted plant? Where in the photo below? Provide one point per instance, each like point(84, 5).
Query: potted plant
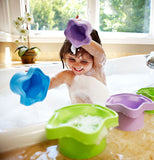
point(28, 54)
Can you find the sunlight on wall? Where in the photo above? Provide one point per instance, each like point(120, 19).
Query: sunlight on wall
point(7, 55)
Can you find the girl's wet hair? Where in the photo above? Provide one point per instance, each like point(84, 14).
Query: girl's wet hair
point(66, 48)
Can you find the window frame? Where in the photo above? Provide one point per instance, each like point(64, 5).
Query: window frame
point(14, 8)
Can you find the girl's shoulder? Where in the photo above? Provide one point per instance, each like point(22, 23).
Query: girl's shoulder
point(67, 76)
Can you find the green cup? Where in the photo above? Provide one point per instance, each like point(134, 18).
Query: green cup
point(147, 92)
point(81, 129)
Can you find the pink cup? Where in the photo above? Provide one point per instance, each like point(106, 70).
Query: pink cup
point(130, 108)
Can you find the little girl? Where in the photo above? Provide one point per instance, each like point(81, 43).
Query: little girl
point(87, 60)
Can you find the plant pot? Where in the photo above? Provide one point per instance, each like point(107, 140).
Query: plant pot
point(29, 57)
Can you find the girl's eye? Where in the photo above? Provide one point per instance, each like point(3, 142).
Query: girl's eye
point(72, 59)
point(84, 62)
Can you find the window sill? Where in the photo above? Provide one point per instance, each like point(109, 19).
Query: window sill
point(126, 38)
point(106, 38)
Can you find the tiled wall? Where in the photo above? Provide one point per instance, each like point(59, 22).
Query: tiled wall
point(50, 51)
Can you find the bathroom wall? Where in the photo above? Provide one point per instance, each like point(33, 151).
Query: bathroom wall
point(120, 50)
point(2, 51)
point(50, 51)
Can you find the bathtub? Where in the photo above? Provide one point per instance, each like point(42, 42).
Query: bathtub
point(22, 126)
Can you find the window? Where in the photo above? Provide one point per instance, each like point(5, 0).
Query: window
point(54, 14)
point(118, 21)
point(125, 16)
point(131, 16)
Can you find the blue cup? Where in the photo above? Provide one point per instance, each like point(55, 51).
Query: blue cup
point(31, 86)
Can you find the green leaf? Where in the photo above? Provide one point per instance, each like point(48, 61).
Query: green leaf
point(20, 48)
point(37, 50)
point(22, 51)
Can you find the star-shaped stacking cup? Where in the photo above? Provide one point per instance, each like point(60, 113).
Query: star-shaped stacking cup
point(81, 129)
point(130, 108)
point(32, 86)
point(78, 32)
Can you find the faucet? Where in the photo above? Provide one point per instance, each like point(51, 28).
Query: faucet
point(150, 60)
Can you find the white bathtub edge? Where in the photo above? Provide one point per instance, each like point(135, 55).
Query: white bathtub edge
point(22, 137)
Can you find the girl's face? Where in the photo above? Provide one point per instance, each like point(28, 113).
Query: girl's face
point(80, 63)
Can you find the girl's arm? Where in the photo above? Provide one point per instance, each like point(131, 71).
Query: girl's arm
point(61, 78)
point(97, 51)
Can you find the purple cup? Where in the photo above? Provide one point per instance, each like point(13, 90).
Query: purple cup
point(78, 32)
point(130, 108)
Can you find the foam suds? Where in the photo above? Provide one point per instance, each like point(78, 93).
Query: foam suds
point(89, 90)
point(15, 115)
point(85, 123)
